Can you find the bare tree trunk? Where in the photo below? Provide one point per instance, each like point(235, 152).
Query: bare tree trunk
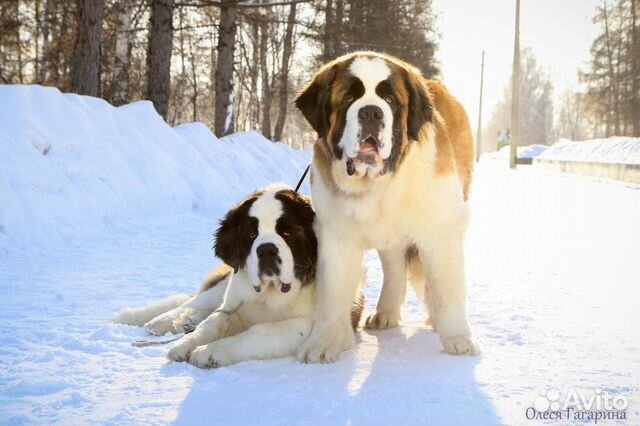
point(266, 92)
point(18, 45)
point(52, 60)
point(180, 87)
point(620, 76)
point(212, 78)
point(3, 79)
point(10, 44)
point(284, 73)
point(635, 69)
point(120, 83)
point(328, 36)
point(194, 80)
point(255, 70)
point(159, 55)
point(36, 62)
point(239, 115)
point(57, 60)
point(85, 72)
point(614, 100)
point(338, 30)
point(223, 124)
point(356, 21)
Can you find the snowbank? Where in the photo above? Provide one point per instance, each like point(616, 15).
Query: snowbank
point(70, 164)
point(613, 158)
point(621, 150)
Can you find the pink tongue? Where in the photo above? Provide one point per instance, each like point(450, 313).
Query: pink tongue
point(368, 146)
point(369, 154)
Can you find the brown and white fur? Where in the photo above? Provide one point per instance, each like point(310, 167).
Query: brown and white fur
point(260, 303)
point(391, 171)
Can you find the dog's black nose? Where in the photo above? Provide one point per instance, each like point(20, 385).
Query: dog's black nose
point(267, 251)
point(370, 113)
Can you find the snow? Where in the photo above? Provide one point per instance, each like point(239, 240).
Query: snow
point(622, 150)
point(71, 165)
point(551, 266)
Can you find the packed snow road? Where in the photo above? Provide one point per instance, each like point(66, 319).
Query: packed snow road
point(552, 268)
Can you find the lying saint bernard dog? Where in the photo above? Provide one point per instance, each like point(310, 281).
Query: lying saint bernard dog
point(260, 303)
point(391, 171)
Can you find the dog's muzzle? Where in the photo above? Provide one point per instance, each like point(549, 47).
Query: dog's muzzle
point(268, 259)
point(370, 121)
point(269, 262)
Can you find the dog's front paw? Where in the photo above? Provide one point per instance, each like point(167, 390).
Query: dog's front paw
point(460, 345)
point(325, 344)
point(181, 350)
point(209, 356)
point(319, 351)
point(382, 320)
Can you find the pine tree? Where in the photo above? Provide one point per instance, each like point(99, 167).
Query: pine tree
point(402, 28)
point(612, 81)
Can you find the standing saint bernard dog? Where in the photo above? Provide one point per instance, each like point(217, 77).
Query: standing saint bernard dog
point(260, 303)
point(391, 171)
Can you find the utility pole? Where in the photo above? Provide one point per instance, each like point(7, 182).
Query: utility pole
point(479, 133)
point(515, 94)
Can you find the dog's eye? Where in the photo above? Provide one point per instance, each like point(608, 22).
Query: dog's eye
point(286, 234)
point(253, 235)
point(349, 99)
point(388, 99)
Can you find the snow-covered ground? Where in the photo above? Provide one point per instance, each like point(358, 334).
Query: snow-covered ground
point(552, 267)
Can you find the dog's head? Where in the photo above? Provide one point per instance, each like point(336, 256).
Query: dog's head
point(270, 235)
point(366, 108)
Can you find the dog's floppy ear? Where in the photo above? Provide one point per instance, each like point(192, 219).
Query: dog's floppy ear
point(420, 107)
point(229, 244)
point(314, 100)
point(300, 203)
point(226, 241)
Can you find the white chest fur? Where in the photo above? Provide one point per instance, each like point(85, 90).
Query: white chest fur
point(413, 203)
point(267, 307)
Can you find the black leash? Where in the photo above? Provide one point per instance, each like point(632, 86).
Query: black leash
point(304, 175)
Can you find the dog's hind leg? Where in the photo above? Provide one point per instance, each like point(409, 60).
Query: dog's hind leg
point(186, 317)
point(140, 316)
